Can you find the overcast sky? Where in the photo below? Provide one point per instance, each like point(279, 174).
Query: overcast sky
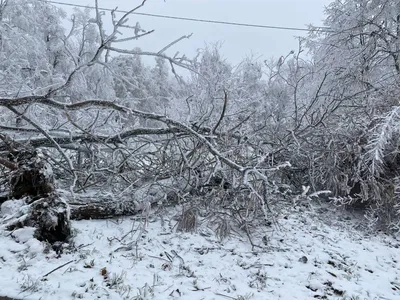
point(238, 42)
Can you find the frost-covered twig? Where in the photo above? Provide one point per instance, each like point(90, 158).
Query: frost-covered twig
point(59, 267)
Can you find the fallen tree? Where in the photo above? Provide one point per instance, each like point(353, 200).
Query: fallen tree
point(93, 142)
point(46, 209)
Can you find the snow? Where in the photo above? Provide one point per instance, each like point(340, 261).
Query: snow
point(313, 254)
point(22, 235)
point(10, 207)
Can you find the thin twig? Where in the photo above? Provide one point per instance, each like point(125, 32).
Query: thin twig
point(58, 268)
point(222, 113)
point(174, 42)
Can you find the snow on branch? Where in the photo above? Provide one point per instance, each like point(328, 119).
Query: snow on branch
point(382, 136)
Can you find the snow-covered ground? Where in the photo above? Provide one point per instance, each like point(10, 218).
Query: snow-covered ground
point(311, 254)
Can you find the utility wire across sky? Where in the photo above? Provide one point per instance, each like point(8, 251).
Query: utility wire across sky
point(318, 28)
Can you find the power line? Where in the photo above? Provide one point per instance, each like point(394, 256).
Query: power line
point(319, 28)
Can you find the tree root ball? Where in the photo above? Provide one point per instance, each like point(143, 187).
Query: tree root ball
point(33, 176)
point(51, 217)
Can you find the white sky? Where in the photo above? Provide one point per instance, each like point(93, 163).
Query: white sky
point(238, 42)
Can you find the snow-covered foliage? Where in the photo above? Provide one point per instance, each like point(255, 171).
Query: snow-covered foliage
point(353, 153)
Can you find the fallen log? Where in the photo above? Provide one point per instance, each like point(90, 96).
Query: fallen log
point(87, 207)
point(109, 209)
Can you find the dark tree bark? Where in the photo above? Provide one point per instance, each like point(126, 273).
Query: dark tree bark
point(107, 209)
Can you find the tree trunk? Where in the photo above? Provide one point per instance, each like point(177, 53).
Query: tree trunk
point(108, 209)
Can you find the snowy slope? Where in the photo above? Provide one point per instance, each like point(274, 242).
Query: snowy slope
point(310, 255)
